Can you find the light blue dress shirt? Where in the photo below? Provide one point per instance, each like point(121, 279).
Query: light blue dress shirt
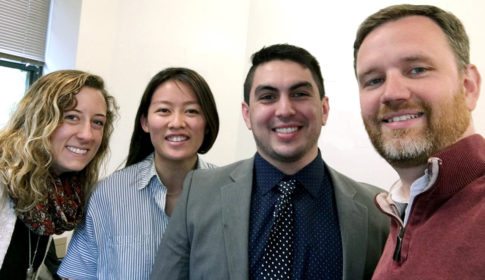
point(124, 223)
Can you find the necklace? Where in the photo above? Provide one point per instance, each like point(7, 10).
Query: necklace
point(30, 270)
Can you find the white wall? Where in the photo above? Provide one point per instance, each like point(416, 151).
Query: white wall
point(136, 39)
point(128, 41)
point(61, 45)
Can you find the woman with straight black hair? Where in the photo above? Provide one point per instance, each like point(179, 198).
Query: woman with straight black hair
point(177, 119)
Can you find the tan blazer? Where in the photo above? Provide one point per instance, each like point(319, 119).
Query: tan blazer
point(207, 236)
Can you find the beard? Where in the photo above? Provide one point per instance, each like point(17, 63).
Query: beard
point(445, 124)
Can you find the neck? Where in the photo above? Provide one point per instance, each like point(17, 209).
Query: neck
point(291, 166)
point(172, 173)
point(408, 175)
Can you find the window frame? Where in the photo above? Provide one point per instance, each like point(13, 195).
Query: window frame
point(34, 71)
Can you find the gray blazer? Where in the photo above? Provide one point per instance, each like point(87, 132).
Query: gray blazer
point(207, 236)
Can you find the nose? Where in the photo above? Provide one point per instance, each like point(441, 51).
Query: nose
point(284, 107)
point(395, 89)
point(177, 120)
point(86, 131)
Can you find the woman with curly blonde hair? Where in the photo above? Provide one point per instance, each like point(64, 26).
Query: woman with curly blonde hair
point(51, 151)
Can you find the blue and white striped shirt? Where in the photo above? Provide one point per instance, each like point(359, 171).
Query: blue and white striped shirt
point(124, 223)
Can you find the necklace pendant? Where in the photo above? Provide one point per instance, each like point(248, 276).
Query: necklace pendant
point(30, 273)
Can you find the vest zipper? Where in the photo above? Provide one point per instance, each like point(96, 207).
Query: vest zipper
point(397, 251)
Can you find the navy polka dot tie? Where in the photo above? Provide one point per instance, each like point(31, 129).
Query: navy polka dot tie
point(278, 253)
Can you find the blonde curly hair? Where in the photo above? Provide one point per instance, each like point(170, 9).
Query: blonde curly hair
point(26, 152)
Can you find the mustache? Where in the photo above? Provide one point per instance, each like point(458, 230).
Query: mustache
point(390, 108)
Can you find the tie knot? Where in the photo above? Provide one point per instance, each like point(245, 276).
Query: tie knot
point(287, 187)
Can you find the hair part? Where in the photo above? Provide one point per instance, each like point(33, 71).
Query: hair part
point(141, 145)
point(284, 52)
point(26, 156)
point(451, 26)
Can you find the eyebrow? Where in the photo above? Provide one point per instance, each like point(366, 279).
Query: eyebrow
point(100, 115)
point(304, 84)
point(361, 76)
point(414, 58)
point(76, 110)
point(170, 102)
point(264, 88)
point(366, 72)
point(301, 85)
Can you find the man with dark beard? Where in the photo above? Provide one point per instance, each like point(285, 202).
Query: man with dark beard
point(417, 90)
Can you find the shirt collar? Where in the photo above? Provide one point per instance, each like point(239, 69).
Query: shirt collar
point(147, 171)
point(418, 187)
point(311, 176)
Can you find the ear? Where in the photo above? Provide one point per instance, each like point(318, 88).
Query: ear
point(471, 86)
point(246, 114)
point(144, 123)
point(325, 109)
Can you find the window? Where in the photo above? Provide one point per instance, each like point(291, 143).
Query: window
point(23, 28)
point(23, 31)
point(15, 79)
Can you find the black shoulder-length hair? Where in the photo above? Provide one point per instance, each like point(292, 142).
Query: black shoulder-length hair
point(141, 145)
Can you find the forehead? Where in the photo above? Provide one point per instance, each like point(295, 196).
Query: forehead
point(91, 98)
point(174, 91)
point(408, 36)
point(281, 74)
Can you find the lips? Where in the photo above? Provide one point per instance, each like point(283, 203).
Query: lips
point(76, 150)
point(286, 130)
point(402, 118)
point(177, 138)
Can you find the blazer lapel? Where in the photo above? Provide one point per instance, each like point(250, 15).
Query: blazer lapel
point(236, 202)
point(353, 226)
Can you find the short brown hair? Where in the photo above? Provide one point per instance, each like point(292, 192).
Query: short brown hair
point(449, 23)
point(284, 52)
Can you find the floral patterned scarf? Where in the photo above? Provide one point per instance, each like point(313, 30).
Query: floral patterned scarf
point(62, 210)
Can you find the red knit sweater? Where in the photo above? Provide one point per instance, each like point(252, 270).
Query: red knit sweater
point(445, 234)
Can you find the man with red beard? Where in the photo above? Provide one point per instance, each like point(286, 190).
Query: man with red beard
point(417, 90)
